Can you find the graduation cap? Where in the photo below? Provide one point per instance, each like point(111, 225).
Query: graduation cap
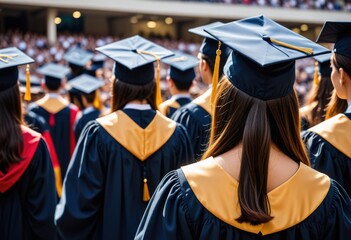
point(209, 45)
point(54, 72)
point(96, 62)
point(134, 58)
point(35, 83)
point(86, 84)
point(181, 66)
point(322, 66)
point(262, 63)
point(338, 33)
point(10, 58)
point(78, 56)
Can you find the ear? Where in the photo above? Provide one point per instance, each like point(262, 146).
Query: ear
point(170, 82)
point(343, 77)
point(204, 65)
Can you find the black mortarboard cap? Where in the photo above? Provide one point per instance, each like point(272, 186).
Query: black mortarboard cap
point(54, 72)
point(10, 58)
point(262, 63)
point(85, 83)
point(97, 62)
point(134, 57)
point(78, 56)
point(181, 66)
point(209, 45)
point(324, 64)
point(338, 33)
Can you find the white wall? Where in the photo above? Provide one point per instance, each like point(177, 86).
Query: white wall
point(192, 9)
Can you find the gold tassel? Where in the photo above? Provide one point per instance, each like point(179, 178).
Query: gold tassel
point(4, 57)
point(287, 45)
point(27, 95)
point(316, 76)
point(158, 83)
point(146, 194)
point(158, 73)
point(216, 74)
point(58, 181)
point(97, 101)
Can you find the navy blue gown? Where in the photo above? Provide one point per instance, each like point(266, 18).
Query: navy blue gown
point(196, 118)
point(82, 120)
point(169, 107)
point(188, 204)
point(27, 193)
point(60, 116)
point(104, 193)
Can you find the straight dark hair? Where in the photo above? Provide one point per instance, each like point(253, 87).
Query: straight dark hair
point(320, 94)
point(240, 118)
point(335, 106)
point(11, 140)
point(123, 93)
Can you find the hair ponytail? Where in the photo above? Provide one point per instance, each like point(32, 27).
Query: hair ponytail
point(252, 188)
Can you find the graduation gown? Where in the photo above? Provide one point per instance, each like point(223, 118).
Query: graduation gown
point(196, 118)
point(168, 107)
point(188, 204)
point(119, 160)
point(27, 193)
point(82, 119)
point(329, 148)
point(38, 123)
point(60, 115)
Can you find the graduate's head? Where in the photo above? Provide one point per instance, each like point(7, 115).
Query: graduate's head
point(54, 74)
point(340, 34)
point(10, 100)
point(181, 73)
point(87, 86)
point(256, 105)
point(10, 106)
point(207, 53)
point(77, 59)
point(134, 70)
point(321, 90)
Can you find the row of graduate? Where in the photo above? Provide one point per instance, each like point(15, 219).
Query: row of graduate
point(254, 180)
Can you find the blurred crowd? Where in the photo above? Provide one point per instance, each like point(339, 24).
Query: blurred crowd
point(38, 47)
point(332, 5)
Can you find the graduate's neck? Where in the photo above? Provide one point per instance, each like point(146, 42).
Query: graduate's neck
point(144, 101)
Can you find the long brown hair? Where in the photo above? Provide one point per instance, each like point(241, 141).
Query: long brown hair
point(11, 140)
point(320, 95)
point(335, 106)
point(122, 93)
point(240, 118)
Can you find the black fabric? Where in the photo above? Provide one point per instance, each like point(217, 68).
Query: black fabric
point(265, 83)
point(103, 191)
point(9, 78)
point(181, 101)
point(36, 122)
point(59, 133)
point(174, 212)
point(27, 209)
point(197, 122)
point(84, 120)
point(327, 159)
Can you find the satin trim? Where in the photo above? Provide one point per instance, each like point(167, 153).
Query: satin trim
point(164, 107)
point(335, 131)
point(204, 101)
point(142, 143)
point(52, 105)
point(291, 202)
